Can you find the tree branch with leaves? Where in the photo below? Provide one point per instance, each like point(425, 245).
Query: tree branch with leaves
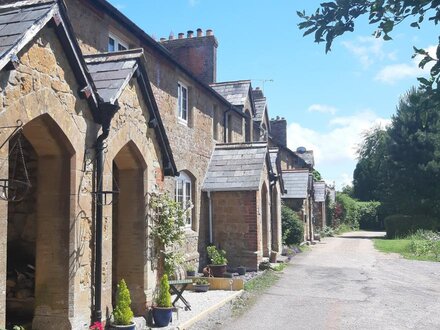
point(337, 17)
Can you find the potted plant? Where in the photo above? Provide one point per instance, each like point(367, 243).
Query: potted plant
point(163, 310)
point(122, 314)
point(218, 261)
point(190, 270)
point(200, 285)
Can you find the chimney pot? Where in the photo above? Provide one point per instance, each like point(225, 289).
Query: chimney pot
point(199, 32)
point(190, 34)
point(209, 32)
point(163, 39)
point(171, 36)
point(180, 35)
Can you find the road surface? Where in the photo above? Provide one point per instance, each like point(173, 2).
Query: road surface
point(344, 283)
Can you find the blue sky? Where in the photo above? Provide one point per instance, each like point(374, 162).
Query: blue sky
point(328, 100)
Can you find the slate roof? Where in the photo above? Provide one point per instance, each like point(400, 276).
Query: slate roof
point(111, 72)
point(15, 22)
point(236, 167)
point(296, 184)
point(307, 156)
point(319, 189)
point(259, 104)
point(235, 92)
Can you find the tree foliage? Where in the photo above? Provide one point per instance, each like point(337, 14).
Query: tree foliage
point(334, 18)
point(292, 226)
point(400, 166)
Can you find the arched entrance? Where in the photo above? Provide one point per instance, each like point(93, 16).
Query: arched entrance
point(38, 228)
point(265, 220)
point(130, 226)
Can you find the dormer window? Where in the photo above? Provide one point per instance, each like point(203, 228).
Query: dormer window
point(115, 44)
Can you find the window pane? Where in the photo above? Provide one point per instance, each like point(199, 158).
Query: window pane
point(184, 103)
point(188, 201)
point(121, 47)
point(111, 44)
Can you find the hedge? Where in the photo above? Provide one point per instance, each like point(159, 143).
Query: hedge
point(292, 226)
point(399, 225)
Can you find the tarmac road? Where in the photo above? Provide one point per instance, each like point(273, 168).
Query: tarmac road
point(344, 283)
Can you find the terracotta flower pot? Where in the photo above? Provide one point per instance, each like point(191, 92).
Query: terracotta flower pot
point(217, 270)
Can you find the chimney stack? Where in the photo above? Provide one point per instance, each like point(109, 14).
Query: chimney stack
point(197, 52)
point(278, 129)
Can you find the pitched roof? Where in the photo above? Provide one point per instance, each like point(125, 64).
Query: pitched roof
point(235, 92)
point(111, 72)
point(21, 21)
point(307, 156)
point(235, 167)
point(319, 189)
point(296, 184)
point(259, 103)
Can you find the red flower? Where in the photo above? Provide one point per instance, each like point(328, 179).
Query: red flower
point(97, 326)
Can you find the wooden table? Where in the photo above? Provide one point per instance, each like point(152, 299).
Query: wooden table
point(174, 284)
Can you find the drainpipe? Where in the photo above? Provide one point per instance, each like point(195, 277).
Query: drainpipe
point(107, 110)
point(210, 217)
point(225, 118)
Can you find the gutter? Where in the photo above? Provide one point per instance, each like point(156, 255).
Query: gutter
point(107, 111)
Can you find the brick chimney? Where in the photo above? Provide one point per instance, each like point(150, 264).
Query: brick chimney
point(278, 130)
point(197, 53)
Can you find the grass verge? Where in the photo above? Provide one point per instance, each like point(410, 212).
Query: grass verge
point(401, 246)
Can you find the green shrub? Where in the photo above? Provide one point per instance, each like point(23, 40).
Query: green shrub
point(122, 314)
point(293, 227)
point(402, 225)
point(348, 211)
point(327, 232)
point(164, 296)
point(217, 256)
point(369, 216)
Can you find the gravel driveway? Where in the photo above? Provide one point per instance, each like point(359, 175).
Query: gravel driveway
point(344, 283)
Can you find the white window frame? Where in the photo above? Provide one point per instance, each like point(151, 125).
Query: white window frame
point(184, 182)
point(118, 42)
point(182, 102)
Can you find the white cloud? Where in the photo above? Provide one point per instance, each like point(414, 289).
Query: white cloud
point(391, 74)
point(368, 50)
point(335, 150)
point(322, 108)
point(120, 6)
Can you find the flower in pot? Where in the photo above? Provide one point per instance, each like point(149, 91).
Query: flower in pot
point(218, 261)
point(163, 310)
point(122, 314)
point(190, 270)
point(200, 285)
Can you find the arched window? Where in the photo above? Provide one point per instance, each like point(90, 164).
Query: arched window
point(184, 194)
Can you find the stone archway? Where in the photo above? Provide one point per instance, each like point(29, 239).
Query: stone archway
point(129, 231)
point(265, 219)
point(38, 229)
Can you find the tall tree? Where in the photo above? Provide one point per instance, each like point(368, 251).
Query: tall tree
point(370, 176)
point(334, 18)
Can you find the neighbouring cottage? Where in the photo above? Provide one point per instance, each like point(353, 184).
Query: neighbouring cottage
point(56, 111)
point(241, 190)
point(319, 205)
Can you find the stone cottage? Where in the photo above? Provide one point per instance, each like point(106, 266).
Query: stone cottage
point(57, 110)
point(96, 114)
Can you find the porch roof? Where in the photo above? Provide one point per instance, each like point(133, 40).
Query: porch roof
point(236, 167)
point(319, 189)
point(296, 184)
point(111, 72)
